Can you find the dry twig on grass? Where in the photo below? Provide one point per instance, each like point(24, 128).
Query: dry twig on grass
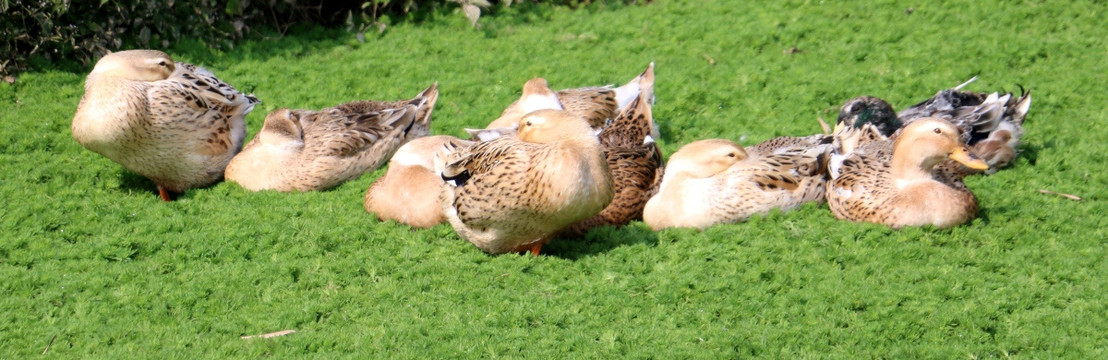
point(269, 335)
point(1068, 196)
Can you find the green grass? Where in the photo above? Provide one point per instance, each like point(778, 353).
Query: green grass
point(93, 264)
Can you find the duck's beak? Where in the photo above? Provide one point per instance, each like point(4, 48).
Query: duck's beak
point(969, 159)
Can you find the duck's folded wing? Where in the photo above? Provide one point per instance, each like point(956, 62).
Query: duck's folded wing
point(492, 178)
point(182, 109)
point(344, 134)
point(211, 88)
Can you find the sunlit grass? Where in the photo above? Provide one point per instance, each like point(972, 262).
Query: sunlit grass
point(92, 263)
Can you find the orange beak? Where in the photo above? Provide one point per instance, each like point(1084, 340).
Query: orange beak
point(969, 159)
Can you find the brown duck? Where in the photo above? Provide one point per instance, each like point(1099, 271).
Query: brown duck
point(171, 122)
point(894, 182)
point(717, 181)
point(304, 150)
point(512, 194)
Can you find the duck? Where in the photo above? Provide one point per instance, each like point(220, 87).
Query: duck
point(305, 150)
point(409, 191)
point(174, 123)
point(634, 158)
point(516, 193)
point(599, 105)
point(990, 123)
point(714, 181)
point(894, 182)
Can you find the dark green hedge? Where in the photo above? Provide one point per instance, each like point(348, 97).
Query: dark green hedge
point(45, 31)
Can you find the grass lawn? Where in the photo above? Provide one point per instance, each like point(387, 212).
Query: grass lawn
point(93, 264)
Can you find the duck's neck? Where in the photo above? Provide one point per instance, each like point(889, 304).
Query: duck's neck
point(912, 163)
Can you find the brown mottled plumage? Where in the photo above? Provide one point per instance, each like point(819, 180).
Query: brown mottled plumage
point(634, 158)
point(597, 104)
point(409, 190)
point(894, 182)
point(306, 150)
point(516, 193)
point(173, 123)
point(716, 181)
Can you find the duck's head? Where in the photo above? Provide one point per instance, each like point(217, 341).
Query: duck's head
point(868, 110)
point(932, 140)
point(136, 65)
point(281, 126)
point(704, 158)
point(546, 126)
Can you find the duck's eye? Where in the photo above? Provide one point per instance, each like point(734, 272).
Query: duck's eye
point(938, 131)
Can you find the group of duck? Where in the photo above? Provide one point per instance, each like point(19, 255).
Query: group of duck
point(555, 163)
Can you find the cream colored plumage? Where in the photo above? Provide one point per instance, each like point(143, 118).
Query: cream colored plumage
point(516, 193)
point(306, 150)
point(171, 122)
point(716, 181)
point(895, 182)
point(409, 191)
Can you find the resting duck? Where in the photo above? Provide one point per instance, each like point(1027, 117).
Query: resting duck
point(513, 194)
point(991, 123)
point(634, 159)
point(304, 150)
point(894, 182)
point(409, 191)
point(171, 122)
point(597, 104)
point(716, 181)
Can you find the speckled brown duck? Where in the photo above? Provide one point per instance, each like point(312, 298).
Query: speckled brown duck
point(894, 182)
point(171, 122)
point(634, 159)
point(305, 150)
point(515, 193)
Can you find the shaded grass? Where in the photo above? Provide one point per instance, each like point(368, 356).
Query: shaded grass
point(89, 254)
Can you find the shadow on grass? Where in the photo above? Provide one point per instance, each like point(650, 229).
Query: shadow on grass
point(135, 183)
point(600, 240)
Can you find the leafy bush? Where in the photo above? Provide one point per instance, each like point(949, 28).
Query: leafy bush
point(49, 31)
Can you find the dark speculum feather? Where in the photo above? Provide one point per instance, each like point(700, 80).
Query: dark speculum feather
point(459, 179)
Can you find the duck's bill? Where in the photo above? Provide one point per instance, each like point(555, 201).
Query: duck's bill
point(969, 159)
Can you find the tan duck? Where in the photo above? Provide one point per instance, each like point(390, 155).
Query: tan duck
point(409, 191)
point(717, 181)
point(514, 194)
point(304, 150)
point(597, 104)
point(894, 182)
point(171, 122)
point(634, 159)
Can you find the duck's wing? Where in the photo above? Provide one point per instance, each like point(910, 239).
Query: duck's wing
point(634, 124)
point(598, 105)
point(490, 179)
point(193, 108)
point(206, 85)
point(862, 183)
point(337, 133)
